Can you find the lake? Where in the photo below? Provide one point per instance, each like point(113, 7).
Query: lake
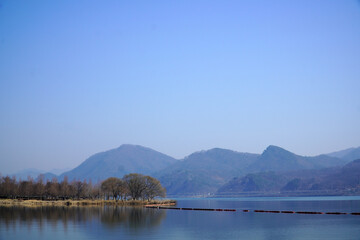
point(143, 223)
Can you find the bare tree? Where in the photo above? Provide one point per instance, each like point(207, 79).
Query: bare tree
point(9, 187)
point(39, 188)
point(135, 184)
point(52, 189)
point(153, 188)
point(114, 187)
point(64, 188)
point(77, 188)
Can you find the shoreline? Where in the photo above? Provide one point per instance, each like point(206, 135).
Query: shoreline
point(84, 203)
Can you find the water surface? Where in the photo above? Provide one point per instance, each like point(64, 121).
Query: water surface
point(141, 223)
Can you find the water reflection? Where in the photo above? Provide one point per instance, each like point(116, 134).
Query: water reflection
point(135, 218)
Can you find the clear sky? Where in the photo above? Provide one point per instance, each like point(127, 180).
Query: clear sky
point(79, 77)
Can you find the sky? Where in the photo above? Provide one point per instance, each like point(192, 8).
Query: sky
point(81, 77)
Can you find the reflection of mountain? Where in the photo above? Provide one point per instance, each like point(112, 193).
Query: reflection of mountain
point(131, 218)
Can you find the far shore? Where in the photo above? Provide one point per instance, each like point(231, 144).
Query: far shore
point(87, 202)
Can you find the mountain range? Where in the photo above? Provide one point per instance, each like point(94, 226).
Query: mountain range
point(327, 181)
point(216, 171)
point(204, 172)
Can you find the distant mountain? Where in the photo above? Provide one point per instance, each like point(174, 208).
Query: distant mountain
point(26, 173)
point(278, 159)
point(331, 181)
point(46, 177)
point(253, 182)
point(348, 155)
point(204, 172)
point(58, 171)
point(118, 162)
point(347, 178)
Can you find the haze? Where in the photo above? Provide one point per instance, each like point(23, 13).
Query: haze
point(79, 77)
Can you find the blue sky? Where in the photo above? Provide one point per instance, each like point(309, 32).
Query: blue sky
point(79, 77)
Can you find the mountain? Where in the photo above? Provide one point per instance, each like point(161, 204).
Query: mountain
point(330, 181)
point(46, 177)
point(203, 172)
point(118, 162)
point(253, 182)
point(348, 155)
point(278, 159)
point(26, 173)
point(347, 178)
point(58, 171)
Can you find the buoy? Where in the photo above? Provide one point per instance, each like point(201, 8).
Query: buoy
point(245, 210)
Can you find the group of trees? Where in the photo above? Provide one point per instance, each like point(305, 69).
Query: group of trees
point(132, 186)
point(39, 189)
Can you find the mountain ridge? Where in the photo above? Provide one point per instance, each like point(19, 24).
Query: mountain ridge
point(202, 172)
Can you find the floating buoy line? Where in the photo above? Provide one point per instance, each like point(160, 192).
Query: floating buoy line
point(256, 211)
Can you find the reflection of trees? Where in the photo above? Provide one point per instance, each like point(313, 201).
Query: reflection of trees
point(110, 216)
point(134, 218)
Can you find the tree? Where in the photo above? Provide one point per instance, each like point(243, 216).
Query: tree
point(64, 188)
point(39, 188)
point(78, 188)
point(114, 187)
point(9, 187)
point(95, 192)
point(136, 185)
point(52, 188)
point(153, 188)
point(25, 189)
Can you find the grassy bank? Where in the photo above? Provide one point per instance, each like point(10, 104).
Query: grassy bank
point(39, 203)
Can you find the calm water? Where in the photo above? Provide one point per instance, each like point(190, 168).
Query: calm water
point(140, 223)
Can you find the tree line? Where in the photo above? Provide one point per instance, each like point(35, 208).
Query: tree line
point(132, 186)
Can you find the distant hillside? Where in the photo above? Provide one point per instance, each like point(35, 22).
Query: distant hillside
point(333, 181)
point(254, 182)
point(35, 173)
point(347, 178)
point(348, 155)
point(46, 177)
point(118, 162)
point(278, 159)
point(26, 173)
point(203, 172)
